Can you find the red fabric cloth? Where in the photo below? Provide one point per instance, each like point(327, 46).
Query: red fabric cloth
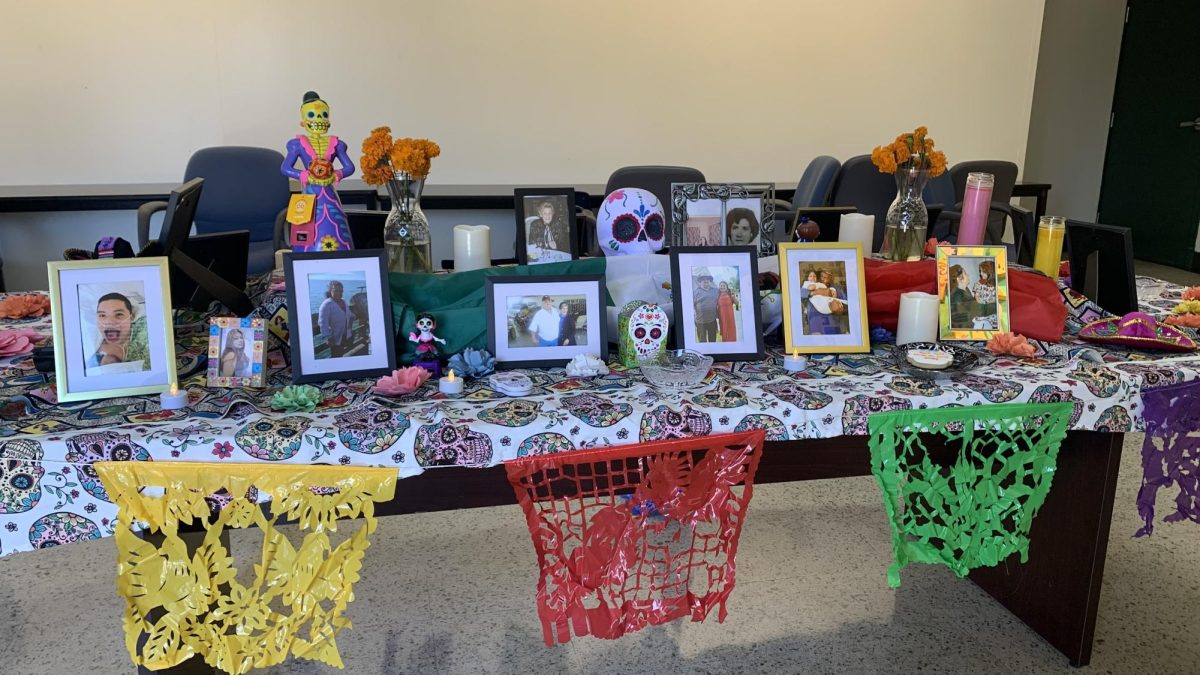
point(636, 535)
point(1035, 304)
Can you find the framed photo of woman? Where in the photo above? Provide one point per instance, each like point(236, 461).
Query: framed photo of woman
point(236, 348)
point(723, 214)
point(546, 227)
point(545, 321)
point(113, 333)
point(972, 292)
point(824, 298)
point(340, 315)
point(715, 294)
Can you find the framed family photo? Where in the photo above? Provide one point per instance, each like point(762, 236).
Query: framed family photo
point(824, 298)
point(340, 312)
point(236, 348)
point(545, 321)
point(546, 229)
point(723, 214)
point(715, 293)
point(113, 333)
point(972, 292)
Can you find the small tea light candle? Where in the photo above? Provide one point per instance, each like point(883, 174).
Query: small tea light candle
point(794, 363)
point(174, 399)
point(451, 385)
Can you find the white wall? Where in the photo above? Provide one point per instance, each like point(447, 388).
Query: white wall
point(1072, 100)
point(530, 91)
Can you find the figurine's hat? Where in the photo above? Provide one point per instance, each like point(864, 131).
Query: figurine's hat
point(310, 96)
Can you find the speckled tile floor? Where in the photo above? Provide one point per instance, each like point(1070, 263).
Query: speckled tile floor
point(452, 593)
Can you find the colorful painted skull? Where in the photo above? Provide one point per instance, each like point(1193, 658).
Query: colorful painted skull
point(444, 443)
point(371, 429)
point(631, 221)
point(60, 528)
point(273, 439)
point(860, 406)
point(1048, 393)
point(804, 399)
point(995, 390)
point(776, 431)
point(512, 413)
point(642, 327)
point(1115, 420)
point(1100, 381)
point(724, 396)
point(426, 323)
point(663, 423)
point(912, 386)
point(101, 446)
point(314, 115)
point(20, 475)
point(596, 411)
point(545, 443)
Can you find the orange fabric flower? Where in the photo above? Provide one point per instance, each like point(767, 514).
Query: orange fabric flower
point(1186, 320)
point(1012, 344)
point(24, 305)
point(1192, 293)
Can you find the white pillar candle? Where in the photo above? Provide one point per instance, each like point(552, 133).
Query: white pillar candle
point(918, 319)
point(472, 247)
point(858, 227)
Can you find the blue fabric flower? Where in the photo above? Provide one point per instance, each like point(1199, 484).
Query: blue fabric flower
point(882, 335)
point(472, 363)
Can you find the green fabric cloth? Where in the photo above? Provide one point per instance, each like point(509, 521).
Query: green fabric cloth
point(978, 511)
point(457, 302)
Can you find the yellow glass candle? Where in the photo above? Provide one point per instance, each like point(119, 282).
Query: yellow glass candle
point(1048, 255)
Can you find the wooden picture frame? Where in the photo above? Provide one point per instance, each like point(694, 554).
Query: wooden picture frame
point(514, 317)
point(123, 307)
point(351, 341)
point(967, 309)
point(226, 365)
point(734, 332)
point(537, 243)
point(824, 298)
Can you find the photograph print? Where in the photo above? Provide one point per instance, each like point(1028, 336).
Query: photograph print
point(545, 321)
point(340, 309)
point(545, 225)
point(236, 349)
point(113, 327)
point(721, 214)
point(715, 299)
point(824, 297)
point(972, 291)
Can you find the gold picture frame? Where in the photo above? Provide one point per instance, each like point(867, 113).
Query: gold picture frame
point(837, 324)
point(128, 300)
point(959, 304)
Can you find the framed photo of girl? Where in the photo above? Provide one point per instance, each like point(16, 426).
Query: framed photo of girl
point(824, 298)
point(236, 349)
point(715, 293)
point(546, 227)
point(545, 321)
point(340, 315)
point(972, 292)
point(113, 333)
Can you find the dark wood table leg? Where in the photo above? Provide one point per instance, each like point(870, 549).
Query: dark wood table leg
point(1057, 593)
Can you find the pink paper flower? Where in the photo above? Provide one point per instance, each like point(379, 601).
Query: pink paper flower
point(402, 381)
point(1012, 344)
point(18, 341)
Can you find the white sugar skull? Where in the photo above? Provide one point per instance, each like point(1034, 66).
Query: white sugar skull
point(647, 330)
point(631, 221)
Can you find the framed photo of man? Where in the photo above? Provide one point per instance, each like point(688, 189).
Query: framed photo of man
point(824, 298)
point(113, 333)
point(972, 292)
point(715, 297)
point(545, 321)
point(340, 314)
point(546, 226)
point(723, 214)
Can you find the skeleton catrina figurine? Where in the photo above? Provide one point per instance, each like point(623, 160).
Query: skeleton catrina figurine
point(642, 327)
point(326, 228)
point(428, 356)
point(631, 222)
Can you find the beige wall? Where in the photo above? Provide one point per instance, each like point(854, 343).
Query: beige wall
point(1072, 100)
point(516, 92)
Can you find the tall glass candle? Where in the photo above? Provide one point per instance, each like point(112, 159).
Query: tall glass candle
point(977, 203)
point(1048, 254)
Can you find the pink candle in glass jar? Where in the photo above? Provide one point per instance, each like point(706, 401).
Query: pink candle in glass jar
point(976, 205)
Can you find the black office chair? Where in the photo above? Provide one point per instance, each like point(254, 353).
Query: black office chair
point(860, 184)
point(1005, 174)
point(1102, 265)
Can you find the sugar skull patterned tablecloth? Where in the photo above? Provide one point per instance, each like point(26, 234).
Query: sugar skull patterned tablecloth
point(50, 495)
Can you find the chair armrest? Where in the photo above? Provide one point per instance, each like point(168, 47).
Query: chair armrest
point(280, 239)
point(144, 213)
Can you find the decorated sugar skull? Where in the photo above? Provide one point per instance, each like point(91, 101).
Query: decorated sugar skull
point(20, 475)
point(61, 527)
point(545, 443)
point(664, 423)
point(596, 411)
point(642, 327)
point(445, 443)
point(724, 396)
point(101, 446)
point(314, 114)
point(804, 399)
point(776, 431)
point(371, 429)
point(631, 221)
point(273, 439)
point(512, 413)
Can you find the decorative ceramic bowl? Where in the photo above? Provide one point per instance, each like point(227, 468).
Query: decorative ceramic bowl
point(675, 368)
point(964, 359)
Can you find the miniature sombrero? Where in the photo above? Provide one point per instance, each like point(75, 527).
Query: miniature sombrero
point(1137, 329)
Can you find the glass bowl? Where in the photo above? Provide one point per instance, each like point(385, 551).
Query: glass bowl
point(675, 368)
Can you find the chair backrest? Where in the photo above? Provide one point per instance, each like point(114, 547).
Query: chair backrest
point(243, 190)
point(861, 185)
point(1006, 178)
point(656, 179)
point(1102, 265)
point(816, 182)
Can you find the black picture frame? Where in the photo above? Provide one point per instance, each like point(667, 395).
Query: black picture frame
point(731, 256)
point(567, 195)
point(377, 332)
point(593, 287)
point(1102, 265)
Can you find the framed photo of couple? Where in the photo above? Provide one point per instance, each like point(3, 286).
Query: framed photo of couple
point(824, 298)
point(545, 321)
point(723, 214)
point(972, 292)
point(715, 293)
point(546, 225)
